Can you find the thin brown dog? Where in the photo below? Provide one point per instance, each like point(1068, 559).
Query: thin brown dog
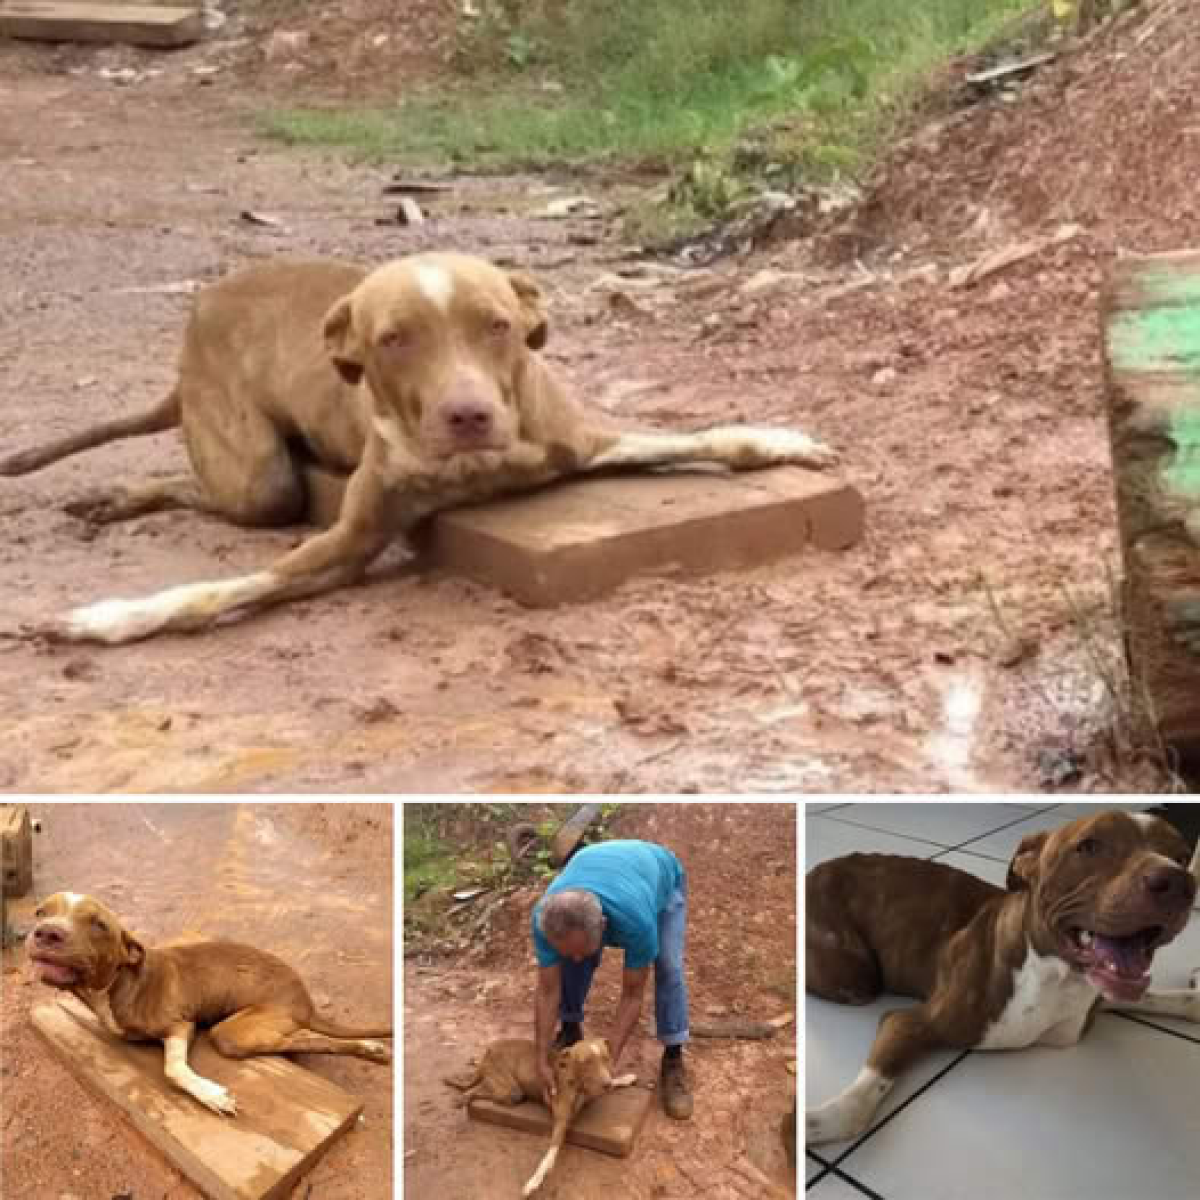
point(508, 1074)
point(418, 380)
point(255, 1002)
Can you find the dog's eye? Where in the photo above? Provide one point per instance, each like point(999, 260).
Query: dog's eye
point(39, 913)
point(1088, 847)
point(499, 327)
point(395, 339)
point(99, 924)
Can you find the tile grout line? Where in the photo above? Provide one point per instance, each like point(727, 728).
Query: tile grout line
point(943, 848)
point(1148, 1023)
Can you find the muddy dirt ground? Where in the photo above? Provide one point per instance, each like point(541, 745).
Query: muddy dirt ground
point(312, 883)
point(740, 961)
point(966, 644)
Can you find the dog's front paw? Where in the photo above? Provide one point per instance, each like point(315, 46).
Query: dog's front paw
point(624, 1080)
point(378, 1052)
point(766, 446)
point(216, 1098)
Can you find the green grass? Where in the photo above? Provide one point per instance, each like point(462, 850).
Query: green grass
point(662, 83)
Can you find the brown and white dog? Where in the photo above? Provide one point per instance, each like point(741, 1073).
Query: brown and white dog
point(508, 1073)
point(1086, 907)
point(254, 1002)
point(379, 396)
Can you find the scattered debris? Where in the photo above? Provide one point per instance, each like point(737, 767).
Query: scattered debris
point(571, 206)
point(409, 212)
point(263, 219)
point(999, 260)
point(1007, 72)
point(415, 187)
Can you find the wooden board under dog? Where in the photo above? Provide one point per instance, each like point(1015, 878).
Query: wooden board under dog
point(610, 1123)
point(288, 1117)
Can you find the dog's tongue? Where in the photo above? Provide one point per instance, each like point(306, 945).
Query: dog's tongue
point(1121, 969)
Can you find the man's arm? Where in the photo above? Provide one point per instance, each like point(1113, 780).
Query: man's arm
point(629, 1008)
point(545, 1009)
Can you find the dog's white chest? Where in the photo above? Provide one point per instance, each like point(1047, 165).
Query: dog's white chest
point(1049, 1003)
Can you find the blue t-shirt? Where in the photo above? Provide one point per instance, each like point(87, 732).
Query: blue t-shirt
point(634, 881)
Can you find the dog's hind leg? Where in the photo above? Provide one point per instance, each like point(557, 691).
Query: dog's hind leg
point(261, 1029)
point(103, 506)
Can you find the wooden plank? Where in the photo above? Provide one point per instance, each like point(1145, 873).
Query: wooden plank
point(1152, 359)
point(609, 1123)
point(581, 539)
point(288, 1117)
point(64, 21)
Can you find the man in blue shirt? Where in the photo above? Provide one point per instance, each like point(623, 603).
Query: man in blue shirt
point(631, 896)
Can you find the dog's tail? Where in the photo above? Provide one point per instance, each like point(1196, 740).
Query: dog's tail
point(164, 415)
point(333, 1029)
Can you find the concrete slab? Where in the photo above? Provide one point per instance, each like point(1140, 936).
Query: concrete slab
point(580, 539)
point(287, 1119)
point(136, 24)
point(609, 1123)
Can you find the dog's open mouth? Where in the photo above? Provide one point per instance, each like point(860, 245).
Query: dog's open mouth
point(1118, 966)
point(54, 972)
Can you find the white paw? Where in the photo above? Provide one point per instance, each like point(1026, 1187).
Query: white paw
point(216, 1098)
point(763, 446)
point(624, 1080)
point(109, 621)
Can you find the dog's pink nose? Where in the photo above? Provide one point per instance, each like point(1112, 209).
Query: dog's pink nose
point(1168, 883)
point(49, 935)
point(468, 420)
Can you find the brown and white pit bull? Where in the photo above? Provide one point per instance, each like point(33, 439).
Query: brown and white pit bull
point(255, 1002)
point(508, 1073)
point(419, 381)
point(1085, 909)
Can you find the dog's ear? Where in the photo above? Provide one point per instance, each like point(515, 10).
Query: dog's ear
point(343, 343)
point(537, 328)
point(1023, 868)
point(133, 952)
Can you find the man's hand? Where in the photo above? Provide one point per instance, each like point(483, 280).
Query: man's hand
point(546, 1075)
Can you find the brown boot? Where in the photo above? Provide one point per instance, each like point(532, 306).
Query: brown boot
point(676, 1097)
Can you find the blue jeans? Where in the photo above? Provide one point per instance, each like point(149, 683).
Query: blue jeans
point(670, 989)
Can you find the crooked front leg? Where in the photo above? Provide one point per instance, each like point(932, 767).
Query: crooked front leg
point(738, 447)
point(904, 1037)
point(214, 1096)
point(328, 560)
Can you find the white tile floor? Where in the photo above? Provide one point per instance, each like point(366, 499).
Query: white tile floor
point(1116, 1117)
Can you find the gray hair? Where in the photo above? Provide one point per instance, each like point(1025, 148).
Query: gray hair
point(562, 912)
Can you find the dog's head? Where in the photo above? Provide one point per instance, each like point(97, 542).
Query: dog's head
point(79, 942)
point(444, 343)
point(1107, 891)
point(585, 1067)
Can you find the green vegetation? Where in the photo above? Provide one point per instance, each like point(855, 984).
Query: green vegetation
point(663, 82)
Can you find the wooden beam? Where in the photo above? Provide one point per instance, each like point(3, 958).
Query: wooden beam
point(64, 21)
point(287, 1119)
point(1152, 359)
point(609, 1123)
